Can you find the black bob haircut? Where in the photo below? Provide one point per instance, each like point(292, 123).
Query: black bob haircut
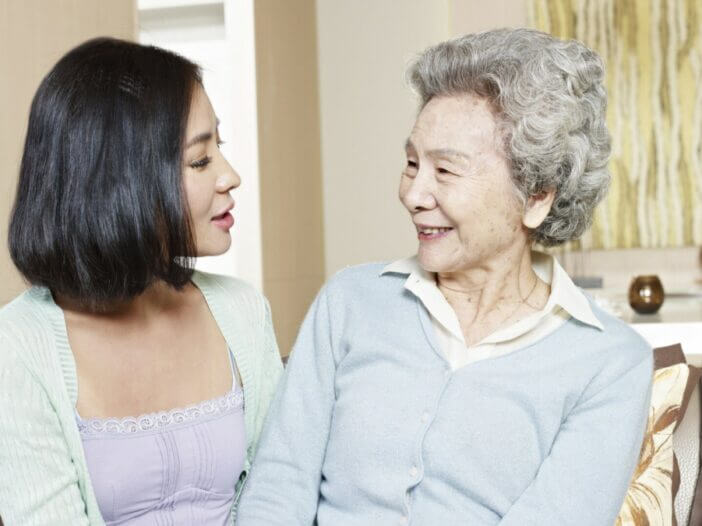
point(100, 211)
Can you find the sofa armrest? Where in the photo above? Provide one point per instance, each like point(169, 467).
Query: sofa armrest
point(686, 445)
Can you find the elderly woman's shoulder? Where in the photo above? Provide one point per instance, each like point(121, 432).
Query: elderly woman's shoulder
point(366, 284)
point(618, 338)
point(365, 276)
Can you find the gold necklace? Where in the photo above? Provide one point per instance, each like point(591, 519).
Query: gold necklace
point(510, 314)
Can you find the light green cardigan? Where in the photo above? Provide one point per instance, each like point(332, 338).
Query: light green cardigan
point(44, 478)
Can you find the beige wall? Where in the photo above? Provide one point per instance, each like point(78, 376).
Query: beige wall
point(289, 160)
point(472, 16)
point(34, 34)
point(367, 112)
point(352, 85)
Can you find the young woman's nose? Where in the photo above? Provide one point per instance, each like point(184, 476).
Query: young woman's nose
point(228, 179)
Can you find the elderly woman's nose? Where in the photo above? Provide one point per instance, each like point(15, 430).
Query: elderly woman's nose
point(420, 194)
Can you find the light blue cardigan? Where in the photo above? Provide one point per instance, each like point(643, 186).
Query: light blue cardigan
point(43, 474)
point(370, 426)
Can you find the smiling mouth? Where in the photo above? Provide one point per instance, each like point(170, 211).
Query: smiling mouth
point(428, 233)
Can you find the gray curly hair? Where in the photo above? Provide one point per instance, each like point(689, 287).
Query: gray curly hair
point(550, 104)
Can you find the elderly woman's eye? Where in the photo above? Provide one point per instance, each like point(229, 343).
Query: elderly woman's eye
point(444, 171)
point(411, 164)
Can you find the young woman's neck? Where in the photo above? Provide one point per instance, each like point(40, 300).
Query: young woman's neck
point(157, 298)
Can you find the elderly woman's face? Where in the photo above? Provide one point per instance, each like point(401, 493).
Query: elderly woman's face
point(457, 186)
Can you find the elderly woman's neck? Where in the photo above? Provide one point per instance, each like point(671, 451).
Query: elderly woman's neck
point(494, 294)
point(506, 272)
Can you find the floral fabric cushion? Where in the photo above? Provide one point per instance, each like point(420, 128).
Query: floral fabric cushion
point(651, 494)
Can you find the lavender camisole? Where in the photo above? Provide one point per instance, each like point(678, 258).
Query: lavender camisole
point(176, 467)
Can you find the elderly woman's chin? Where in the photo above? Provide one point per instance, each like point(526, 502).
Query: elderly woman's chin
point(433, 257)
point(451, 253)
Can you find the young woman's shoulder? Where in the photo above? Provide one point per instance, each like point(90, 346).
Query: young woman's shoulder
point(231, 293)
point(25, 318)
point(27, 333)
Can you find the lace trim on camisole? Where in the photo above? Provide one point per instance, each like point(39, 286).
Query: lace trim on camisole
point(129, 425)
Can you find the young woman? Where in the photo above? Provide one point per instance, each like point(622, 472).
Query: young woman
point(132, 388)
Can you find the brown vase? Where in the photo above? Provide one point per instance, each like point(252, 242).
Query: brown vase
point(646, 294)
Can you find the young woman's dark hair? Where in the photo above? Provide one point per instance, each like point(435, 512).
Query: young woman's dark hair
point(100, 212)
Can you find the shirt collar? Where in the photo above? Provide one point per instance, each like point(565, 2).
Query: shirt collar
point(564, 293)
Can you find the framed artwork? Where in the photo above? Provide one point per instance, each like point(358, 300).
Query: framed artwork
point(653, 56)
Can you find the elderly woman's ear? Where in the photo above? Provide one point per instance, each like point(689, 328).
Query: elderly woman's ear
point(537, 208)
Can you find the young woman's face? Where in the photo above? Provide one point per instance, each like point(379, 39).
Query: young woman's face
point(207, 178)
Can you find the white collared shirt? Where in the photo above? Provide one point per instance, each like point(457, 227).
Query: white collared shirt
point(565, 301)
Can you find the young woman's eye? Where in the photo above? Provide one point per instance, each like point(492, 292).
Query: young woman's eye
point(220, 142)
point(201, 163)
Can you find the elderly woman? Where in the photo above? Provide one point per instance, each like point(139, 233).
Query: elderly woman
point(474, 383)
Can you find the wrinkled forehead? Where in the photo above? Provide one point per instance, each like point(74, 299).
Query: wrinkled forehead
point(462, 122)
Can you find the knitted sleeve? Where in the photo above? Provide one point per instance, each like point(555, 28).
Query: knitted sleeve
point(583, 480)
point(283, 487)
point(38, 481)
point(271, 370)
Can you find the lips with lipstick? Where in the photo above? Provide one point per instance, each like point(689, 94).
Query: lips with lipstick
point(428, 232)
point(224, 219)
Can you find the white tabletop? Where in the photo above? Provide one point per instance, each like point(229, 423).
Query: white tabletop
point(679, 319)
